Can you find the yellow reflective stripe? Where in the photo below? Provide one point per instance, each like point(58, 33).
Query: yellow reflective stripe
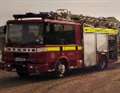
point(79, 48)
point(68, 48)
point(53, 49)
point(64, 48)
point(100, 30)
point(106, 31)
point(43, 49)
point(57, 49)
point(89, 30)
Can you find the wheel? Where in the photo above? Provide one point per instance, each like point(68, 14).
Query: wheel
point(22, 75)
point(22, 72)
point(102, 64)
point(60, 70)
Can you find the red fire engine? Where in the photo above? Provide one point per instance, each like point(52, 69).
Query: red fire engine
point(45, 42)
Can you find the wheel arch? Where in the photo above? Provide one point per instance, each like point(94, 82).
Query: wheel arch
point(64, 60)
point(104, 57)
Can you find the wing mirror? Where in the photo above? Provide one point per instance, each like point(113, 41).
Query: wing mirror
point(4, 29)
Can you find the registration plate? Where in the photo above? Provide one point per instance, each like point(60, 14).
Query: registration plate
point(20, 59)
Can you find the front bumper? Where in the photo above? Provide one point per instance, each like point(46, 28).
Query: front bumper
point(1, 65)
point(31, 68)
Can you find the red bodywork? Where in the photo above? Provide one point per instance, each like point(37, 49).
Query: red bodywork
point(39, 62)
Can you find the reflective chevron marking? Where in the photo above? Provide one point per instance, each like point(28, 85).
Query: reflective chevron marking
point(10, 49)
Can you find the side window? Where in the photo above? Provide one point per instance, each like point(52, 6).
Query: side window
point(58, 27)
point(50, 34)
point(69, 34)
point(60, 34)
point(65, 34)
point(68, 28)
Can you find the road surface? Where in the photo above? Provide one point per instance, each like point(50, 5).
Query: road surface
point(82, 81)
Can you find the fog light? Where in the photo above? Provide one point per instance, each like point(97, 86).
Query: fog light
point(31, 67)
point(8, 65)
point(23, 65)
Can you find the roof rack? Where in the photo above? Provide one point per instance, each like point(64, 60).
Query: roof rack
point(43, 15)
point(62, 14)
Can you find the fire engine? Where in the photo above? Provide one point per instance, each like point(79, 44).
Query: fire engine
point(46, 42)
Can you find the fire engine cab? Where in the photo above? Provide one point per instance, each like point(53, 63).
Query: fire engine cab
point(45, 42)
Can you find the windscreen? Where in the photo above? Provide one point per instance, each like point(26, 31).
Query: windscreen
point(25, 33)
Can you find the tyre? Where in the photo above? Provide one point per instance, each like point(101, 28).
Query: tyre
point(22, 72)
point(102, 64)
point(60, 70)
